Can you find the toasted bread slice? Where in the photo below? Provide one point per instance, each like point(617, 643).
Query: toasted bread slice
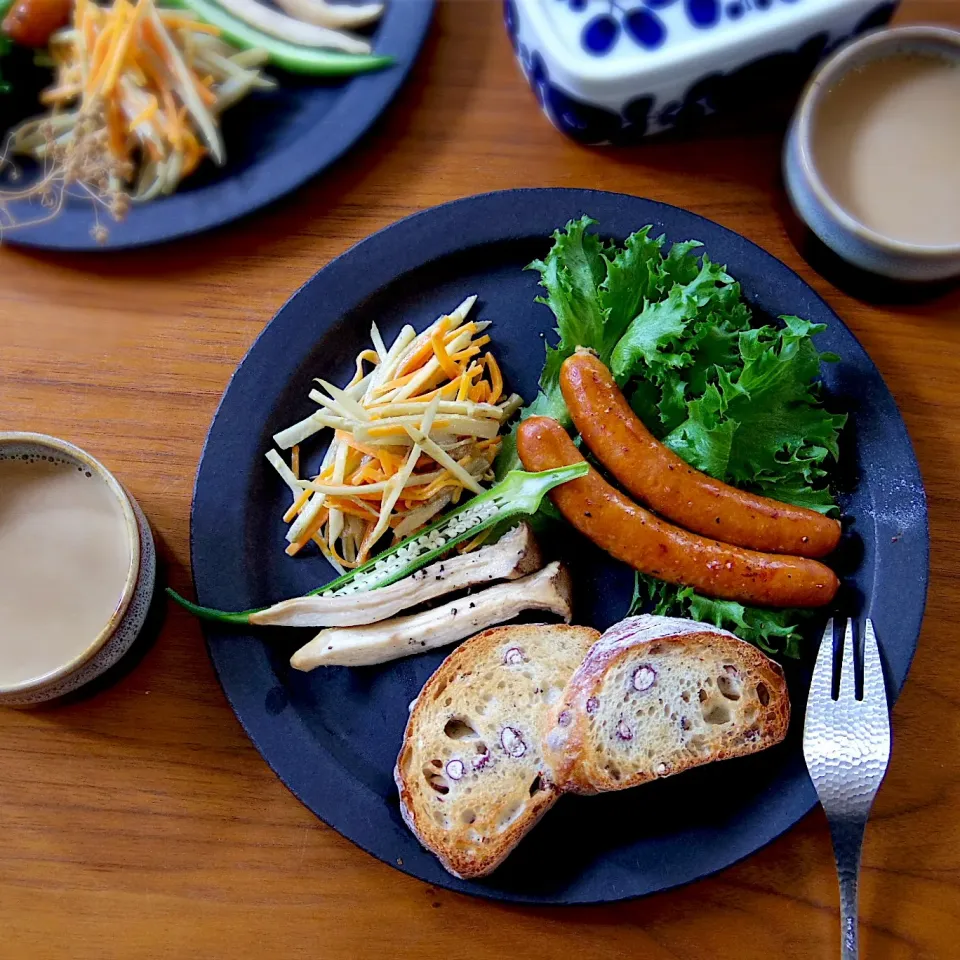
point(471, 775)
point(659, 695)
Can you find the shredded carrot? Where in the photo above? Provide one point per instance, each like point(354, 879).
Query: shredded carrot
point(336, 556)
point(448, 390)
point(204, 92)
point(443, 358)
point(416, 360)
point(297, 507)
point(467, 354)
point(475, 542)
point(147, 113)
point(122, 43)
point(387, 431)
point(467, 381)
point(470, 328)
point(398, 381)
point(308, 534)
point(389, 463)
point(192, 157)
point(178, 22)
point(100, 47)
point(367, 474)
point(170, 114)
point(295, 461)
point(496, 377)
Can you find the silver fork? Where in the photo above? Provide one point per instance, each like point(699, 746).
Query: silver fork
point(846, 743)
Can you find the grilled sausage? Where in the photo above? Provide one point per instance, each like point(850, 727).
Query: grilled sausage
point(635, 536)
point(656, 476)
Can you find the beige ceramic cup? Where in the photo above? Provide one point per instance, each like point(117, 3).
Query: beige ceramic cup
point(839, 229)
point(124, 626)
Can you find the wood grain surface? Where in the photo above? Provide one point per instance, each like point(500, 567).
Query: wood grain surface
point(141, 823)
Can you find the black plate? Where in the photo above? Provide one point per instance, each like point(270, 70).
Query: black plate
point(276, 141)
point(333, 735)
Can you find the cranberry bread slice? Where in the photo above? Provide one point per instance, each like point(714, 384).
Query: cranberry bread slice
point(471, 775)
point(659, 695)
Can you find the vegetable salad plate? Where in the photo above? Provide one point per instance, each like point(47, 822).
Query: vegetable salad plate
point(292, 125)
point(333, 734)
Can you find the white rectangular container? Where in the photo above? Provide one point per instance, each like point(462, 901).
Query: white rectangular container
point(613, 71)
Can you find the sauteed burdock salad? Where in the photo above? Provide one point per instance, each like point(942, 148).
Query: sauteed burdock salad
point(672, 428)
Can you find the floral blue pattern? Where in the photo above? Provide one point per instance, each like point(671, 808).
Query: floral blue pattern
point(637, 20)
point(763, 87)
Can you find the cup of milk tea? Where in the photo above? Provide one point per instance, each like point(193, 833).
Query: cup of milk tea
point(77, 569)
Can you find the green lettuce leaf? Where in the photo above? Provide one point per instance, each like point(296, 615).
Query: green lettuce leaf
point(633, 277)
point(571, 274)
point(776, 632)
point(784, 433)
point(705, 439)
point(652, 343)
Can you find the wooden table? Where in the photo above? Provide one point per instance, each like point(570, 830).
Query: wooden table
point(141, 823)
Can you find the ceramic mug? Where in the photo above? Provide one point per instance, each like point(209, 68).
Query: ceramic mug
point(843, 233)
point(128, 619)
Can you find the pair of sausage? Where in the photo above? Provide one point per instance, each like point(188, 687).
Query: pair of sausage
point(656, 476)
point(632, 534)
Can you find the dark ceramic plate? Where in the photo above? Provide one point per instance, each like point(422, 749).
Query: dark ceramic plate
point(276, 141)
point(333, 735)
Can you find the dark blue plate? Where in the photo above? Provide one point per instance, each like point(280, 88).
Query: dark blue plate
point(333, 735)
point(275, 141)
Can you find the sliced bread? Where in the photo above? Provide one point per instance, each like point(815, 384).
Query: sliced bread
point(658, 695)
point(471, 773)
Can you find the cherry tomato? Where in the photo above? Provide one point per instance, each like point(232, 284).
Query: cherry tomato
point(32, 22)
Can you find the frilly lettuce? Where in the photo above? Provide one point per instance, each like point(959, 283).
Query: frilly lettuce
point(737, 399)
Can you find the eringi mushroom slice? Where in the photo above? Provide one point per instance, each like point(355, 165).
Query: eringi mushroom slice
point(333, 15)
point(549, 589)
point(515, 555)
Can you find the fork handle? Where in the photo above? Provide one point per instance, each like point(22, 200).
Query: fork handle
point(847, 843)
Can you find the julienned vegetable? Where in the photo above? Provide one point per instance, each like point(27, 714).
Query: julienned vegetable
point(417, 425)
point(518, 494)
point(134, 108)
point(738, 400)
point(291, 56)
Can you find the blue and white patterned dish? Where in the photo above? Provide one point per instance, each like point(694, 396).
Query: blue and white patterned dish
point(613, 71)
point(843, 233)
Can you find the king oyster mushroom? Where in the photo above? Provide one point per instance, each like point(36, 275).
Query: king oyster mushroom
point(550, 590)
point(515, 555)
